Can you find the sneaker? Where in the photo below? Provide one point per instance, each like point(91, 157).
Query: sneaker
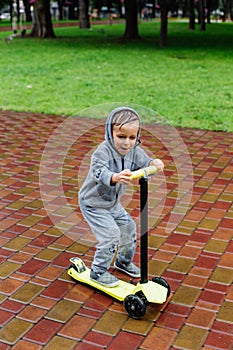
point(131, 269)
point(106, 279)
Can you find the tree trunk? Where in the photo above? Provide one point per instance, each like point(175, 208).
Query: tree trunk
point(208, 8)
point(163, 23)
point(191, 15)
point(202, 14)
point(60, 9)
point(28, 14)
point(131, 16)
point(84, 21)
point(42, 26)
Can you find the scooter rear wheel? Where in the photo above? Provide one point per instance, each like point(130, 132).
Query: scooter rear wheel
point(134, 306)
point(162, 282)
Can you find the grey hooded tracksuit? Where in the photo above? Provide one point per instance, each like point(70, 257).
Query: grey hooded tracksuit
point(100, 203)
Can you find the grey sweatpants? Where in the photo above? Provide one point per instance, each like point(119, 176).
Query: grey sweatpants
point(114, 230)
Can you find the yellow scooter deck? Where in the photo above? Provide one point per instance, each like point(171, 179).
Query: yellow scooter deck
point(155, 293)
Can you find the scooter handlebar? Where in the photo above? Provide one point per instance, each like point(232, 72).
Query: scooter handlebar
point(144, 172)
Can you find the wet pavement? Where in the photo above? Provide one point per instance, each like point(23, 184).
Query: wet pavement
point(44, 160)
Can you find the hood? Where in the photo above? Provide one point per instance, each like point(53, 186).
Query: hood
point(108, 125)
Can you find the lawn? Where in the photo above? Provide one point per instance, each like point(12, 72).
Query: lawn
point(189, 82)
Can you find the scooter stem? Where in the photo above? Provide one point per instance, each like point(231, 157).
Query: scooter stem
point(144, 229)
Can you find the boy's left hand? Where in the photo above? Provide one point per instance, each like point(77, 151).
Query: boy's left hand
point(158, 163)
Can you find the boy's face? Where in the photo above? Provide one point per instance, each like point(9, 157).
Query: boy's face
point(125, 136)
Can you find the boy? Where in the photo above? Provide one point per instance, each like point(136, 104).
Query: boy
point(99, 196)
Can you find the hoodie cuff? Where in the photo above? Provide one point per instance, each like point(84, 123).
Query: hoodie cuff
point(106, 178)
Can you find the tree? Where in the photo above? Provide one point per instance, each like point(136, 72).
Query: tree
point(164, 7)
point(84, 21)
point(227, 7)
point(27, 10)
point(202, 14)
point(42, 25)
point(191, 15)
point(131, 17)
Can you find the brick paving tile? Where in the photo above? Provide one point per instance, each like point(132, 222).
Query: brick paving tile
point(43, 331)
point(110, 323)
point(44, 302)
point(221, 288)
point(191, 338)
point(90, 313)
point(27, 292)
point(26, 345)
point(85, 346)
point(225, 313)
point(40, 281)
point(60, 343)
point(170, 321)
point(47, 254)
point(126, 341)
point(222, 327)
point(4, 346)
point(182, 265)
point(32, 313)
point(63, 311)
point(17, 243)
point(40, 302)
point(7, 268)
point(229, 296)
point(5, 253)
point(143, 327)
point(11, 305)
point(98, 302)
point(207, 306)
point(186, 295)
point(20, 257)
point(222, 275)
point(201, 318)
point(56, 289)
point(79, 293)
point(42, 241)
point(20, 276)
point(32, 267)
point(211, 297)
point(195, 281)
point(77, 327)
point(219, 341)
point(14, 330)
point(9, 286)
point(162, 337)
point(97, 339)
point(226, 260)
point(50, 273)
point(5, 317)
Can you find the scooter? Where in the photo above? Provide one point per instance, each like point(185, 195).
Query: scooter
point(135, 297)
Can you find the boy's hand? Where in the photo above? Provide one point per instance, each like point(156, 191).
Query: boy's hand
point(124, 177)
point(158, 163)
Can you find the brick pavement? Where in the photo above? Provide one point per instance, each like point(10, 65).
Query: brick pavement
point(41, 228)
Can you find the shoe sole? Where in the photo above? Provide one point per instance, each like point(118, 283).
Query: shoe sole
point(114, 284)
point(128, 273)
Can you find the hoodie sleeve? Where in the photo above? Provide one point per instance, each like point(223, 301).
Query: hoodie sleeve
point(100, 170)
point(141, 159)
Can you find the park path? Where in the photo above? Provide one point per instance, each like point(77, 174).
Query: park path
point(74, 23)
point(44, 158)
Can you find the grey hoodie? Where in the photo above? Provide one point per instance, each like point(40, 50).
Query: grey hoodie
point(97, 190)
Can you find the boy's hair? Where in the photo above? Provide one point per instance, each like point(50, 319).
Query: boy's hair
point(123, 117)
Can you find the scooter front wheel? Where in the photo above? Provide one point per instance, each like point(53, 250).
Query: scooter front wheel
point(162, 282)
point(134, 306)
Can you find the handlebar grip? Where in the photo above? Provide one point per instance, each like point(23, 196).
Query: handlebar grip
point(144, 172)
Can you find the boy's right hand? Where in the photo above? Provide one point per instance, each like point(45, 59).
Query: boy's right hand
point(124, 177)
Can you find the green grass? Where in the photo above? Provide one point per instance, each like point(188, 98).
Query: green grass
point(189, 82)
